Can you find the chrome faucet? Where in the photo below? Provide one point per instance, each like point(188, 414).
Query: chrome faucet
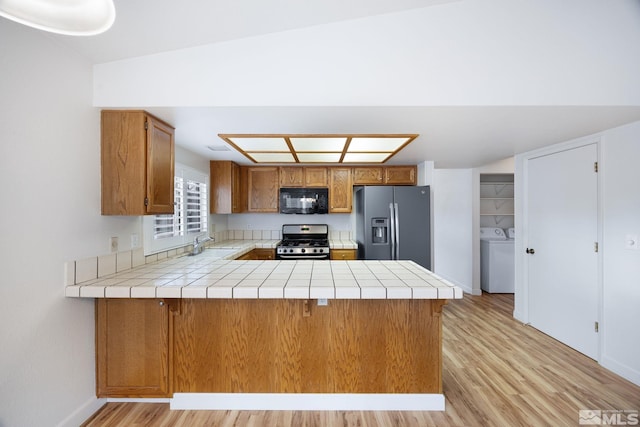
point(198, 244)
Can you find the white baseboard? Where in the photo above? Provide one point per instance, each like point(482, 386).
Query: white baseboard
point(308, 402)
point(83, 413)
point(624, 371)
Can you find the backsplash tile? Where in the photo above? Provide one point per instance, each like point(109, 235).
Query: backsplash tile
point(106, 265)
point(86, 269)
point(123, 261)
point(137, 257)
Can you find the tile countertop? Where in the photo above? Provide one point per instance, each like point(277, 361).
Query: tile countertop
point(214, 274)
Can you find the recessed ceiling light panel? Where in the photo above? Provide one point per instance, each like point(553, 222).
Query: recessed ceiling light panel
point(376, 144)
point(319, 144)
point(318, 148)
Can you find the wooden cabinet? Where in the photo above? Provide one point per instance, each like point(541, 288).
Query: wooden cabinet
point(368, 175)
point(291, 176)
point(262, 189)
point(137, 163)
point(258, 254)
point(134, 347)
point(315, 177)
point(384, 175)
point(264, 254)
point(340, 190)
point(300, 176)
point(400, 175)
point(228, 182)
point(343, 254)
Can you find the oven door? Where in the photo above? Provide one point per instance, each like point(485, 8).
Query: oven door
point(303, 256)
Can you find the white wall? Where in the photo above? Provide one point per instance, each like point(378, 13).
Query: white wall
point(336, 222)
point(453, 226)
point(621, 267)
point(50, 170)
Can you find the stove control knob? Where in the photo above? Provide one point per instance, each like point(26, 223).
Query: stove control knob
point(290, 251)
point(321, 250)
point(303, 250)
point(315, 250)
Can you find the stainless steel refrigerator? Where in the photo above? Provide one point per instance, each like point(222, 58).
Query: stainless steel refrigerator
point(394, 223)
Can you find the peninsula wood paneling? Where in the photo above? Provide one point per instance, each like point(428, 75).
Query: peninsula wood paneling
point(268, 346)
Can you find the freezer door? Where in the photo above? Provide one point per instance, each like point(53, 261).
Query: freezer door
point(376, 200)
point(413, 233)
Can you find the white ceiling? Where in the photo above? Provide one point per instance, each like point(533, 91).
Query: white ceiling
point(452, 136)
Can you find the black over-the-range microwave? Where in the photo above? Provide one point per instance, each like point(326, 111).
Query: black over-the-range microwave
point(304, 200)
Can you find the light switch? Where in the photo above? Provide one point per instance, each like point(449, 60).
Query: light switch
point(631, 242)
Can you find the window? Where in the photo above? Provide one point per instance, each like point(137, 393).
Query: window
point(189, 219)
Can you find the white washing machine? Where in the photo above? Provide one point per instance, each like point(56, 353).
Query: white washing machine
point(497, 260)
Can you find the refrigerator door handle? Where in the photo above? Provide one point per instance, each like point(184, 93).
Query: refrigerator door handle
point(397, 231)
point(392, 231)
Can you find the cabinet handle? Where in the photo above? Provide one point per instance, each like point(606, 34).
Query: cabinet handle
point(161, 303)
point(530, 251)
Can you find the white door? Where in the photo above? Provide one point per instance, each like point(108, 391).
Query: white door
point(562, 196)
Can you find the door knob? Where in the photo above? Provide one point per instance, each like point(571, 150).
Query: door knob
point(530, 251)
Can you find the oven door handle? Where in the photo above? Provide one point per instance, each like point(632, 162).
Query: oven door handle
point(321, 256)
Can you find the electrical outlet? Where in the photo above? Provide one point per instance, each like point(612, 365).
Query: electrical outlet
point(249, 226)
point(114, 244)
point(323, 301)
point(134, 241)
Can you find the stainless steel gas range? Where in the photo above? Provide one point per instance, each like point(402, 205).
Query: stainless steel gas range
point(304, 241)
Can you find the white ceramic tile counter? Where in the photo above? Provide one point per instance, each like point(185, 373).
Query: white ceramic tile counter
point(214, 274)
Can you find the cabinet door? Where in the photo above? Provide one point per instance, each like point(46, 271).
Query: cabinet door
point(133, 352)
point(160, 167)
point(343, 254)
point(340, 190)
point(400, 175)
point(222, 183)
point(315, 177)
point(263, 253)
point(367, 175)
point(262, 189)
point(291, 176)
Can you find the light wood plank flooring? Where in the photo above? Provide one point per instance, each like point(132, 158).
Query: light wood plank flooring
point(497, 372)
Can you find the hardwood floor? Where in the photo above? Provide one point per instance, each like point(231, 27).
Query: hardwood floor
point(496, 372)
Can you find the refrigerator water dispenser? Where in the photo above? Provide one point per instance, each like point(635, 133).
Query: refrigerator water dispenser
point(379, 231)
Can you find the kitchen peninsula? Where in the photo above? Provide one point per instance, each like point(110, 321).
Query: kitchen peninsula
point(211, 332)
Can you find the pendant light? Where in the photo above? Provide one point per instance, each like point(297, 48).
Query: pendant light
point(70, 17)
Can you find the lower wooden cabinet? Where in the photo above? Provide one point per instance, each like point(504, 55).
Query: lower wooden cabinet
point(259, 253)
point(134, 347)
point(267, 346)
point(343, 254)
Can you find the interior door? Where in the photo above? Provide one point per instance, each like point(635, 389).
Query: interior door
point(561, 239)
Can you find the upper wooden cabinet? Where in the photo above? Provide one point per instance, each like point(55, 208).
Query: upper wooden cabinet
point(368, 175)
point(262, 189)
point(384, 175)
point(292, 176)
point(302, 176)
point(228, 194)
point(315, 177)
point(340, 190)
point(137, 162)
point(400, 175)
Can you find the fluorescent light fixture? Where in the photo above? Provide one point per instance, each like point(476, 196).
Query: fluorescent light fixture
point(365, 157)
point(318, 144)
point(273, 157)
point(318, 148)
point(69, 17)
point(319, 157)
point(376, 144)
